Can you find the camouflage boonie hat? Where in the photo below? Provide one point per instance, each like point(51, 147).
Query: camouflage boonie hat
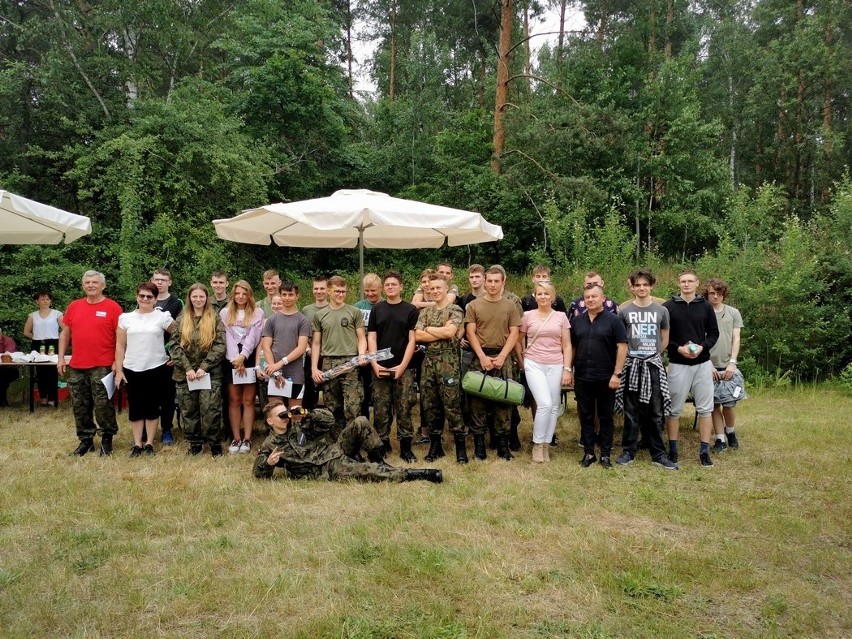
point(322, 417)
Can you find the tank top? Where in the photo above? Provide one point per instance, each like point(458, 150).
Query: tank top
point(46, 328)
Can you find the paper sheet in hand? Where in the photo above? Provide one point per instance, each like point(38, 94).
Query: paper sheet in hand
point(109, 383)
point(285, 390)
point(200, 383)
point(250, 376)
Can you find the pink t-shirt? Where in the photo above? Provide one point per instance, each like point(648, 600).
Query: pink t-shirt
point(547, 347)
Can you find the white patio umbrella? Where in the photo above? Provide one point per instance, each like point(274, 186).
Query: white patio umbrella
point(24, 221)
point(361, 218)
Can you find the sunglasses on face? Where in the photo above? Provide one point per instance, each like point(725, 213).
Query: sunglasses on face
point(145, 297)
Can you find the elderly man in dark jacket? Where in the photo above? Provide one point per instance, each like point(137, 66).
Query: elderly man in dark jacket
point(303, 446)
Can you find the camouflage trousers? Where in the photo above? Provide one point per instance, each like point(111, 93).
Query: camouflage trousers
point(440, 392)
point(393, 397)
point(201, 411)
point(356, 436)
point(343, 395)
point(88, 397)
point(480, 407)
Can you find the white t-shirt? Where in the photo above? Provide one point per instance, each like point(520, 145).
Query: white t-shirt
point(145, 331)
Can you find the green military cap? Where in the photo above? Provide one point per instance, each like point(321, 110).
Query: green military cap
point(322, 417)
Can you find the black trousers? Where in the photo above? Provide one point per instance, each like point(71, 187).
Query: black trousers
point(595, 396)
point(644, 418)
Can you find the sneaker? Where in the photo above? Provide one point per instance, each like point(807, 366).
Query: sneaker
point(149, 450)
point(234, 448)
point(216, 449)
point(719, 447)
point(624, 459)
point(588, 460)
point(666, 463)
point(732, 441)
point(167, 438)
point(245, 446)
point(194, 449)
point(605, 462)
point(136, 451)
point(705, 460)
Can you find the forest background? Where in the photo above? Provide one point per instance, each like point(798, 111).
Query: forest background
point(709, 133)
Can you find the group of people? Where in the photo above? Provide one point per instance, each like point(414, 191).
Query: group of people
point(215, 353)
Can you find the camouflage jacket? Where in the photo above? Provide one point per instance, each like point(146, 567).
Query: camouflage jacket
point(305, 449)
point(433, 316)
point(192, 357)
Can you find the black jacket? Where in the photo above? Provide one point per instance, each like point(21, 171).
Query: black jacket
point(693, 322)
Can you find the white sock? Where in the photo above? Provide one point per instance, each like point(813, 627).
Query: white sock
point(720, 438)
point(728, 430)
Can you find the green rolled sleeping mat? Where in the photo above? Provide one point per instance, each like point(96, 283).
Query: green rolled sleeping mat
point(496, 389)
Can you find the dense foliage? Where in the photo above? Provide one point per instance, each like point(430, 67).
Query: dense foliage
point(712, 133)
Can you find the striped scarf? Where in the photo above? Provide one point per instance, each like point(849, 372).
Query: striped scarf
point(636, 376)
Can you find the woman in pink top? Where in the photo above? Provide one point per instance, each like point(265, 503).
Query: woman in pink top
point(546, 336)
point(243, 322)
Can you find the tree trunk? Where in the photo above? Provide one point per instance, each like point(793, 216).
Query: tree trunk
point(669, 23)
point(563, 6)
point(502, 82)
point(527, 52)
point(392, 74)
point(732, 155)
point(599, 37)
point(349, 56)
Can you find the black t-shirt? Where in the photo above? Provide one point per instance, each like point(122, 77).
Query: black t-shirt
point(391, 324)
point(595, 345)
point(173, 306)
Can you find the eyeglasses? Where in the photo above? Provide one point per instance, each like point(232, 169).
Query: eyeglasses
point(145, 297)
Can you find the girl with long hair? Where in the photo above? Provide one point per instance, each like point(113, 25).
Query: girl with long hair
point(197, 349)
point(243, 322)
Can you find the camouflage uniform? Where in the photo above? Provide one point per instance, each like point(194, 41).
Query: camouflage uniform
point(394, 397)
point(201, 409)
point(308, 450)
point(346, 388)
point(88, 394)
point(440, 382)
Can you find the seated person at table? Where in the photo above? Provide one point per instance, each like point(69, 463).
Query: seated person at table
point(301, 443)
point(8, 374)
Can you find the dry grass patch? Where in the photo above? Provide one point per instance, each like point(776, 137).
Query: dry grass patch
point(195, 547)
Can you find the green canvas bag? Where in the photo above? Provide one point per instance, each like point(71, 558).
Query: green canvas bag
point(497, 389)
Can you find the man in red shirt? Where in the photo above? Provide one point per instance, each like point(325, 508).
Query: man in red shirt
point(90, 324)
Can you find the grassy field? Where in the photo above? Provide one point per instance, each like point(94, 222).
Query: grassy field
point(758, 546)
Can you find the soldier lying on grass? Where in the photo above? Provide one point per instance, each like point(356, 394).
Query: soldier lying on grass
point(301, 443)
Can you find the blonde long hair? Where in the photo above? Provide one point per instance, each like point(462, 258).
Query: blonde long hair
point(206, 323)
point(232, 305)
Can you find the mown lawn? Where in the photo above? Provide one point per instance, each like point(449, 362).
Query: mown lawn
point(758, 546)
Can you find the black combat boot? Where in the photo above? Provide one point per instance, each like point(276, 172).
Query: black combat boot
point(405, 450)
point(106, 446)
point(461, 449)
point(503, 451)
point(514, 440)
point(86, 445)
point(479, 446)
point(387, 446)
point(436, 450)
point(425, 474)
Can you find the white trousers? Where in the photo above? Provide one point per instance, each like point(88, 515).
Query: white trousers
point(545, 382)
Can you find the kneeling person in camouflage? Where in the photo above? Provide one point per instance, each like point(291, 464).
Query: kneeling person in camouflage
point(302, 445)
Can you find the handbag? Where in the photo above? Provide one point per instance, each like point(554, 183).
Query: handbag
point(496, 389)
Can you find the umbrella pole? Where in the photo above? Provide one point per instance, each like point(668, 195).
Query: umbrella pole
point(361, 260)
